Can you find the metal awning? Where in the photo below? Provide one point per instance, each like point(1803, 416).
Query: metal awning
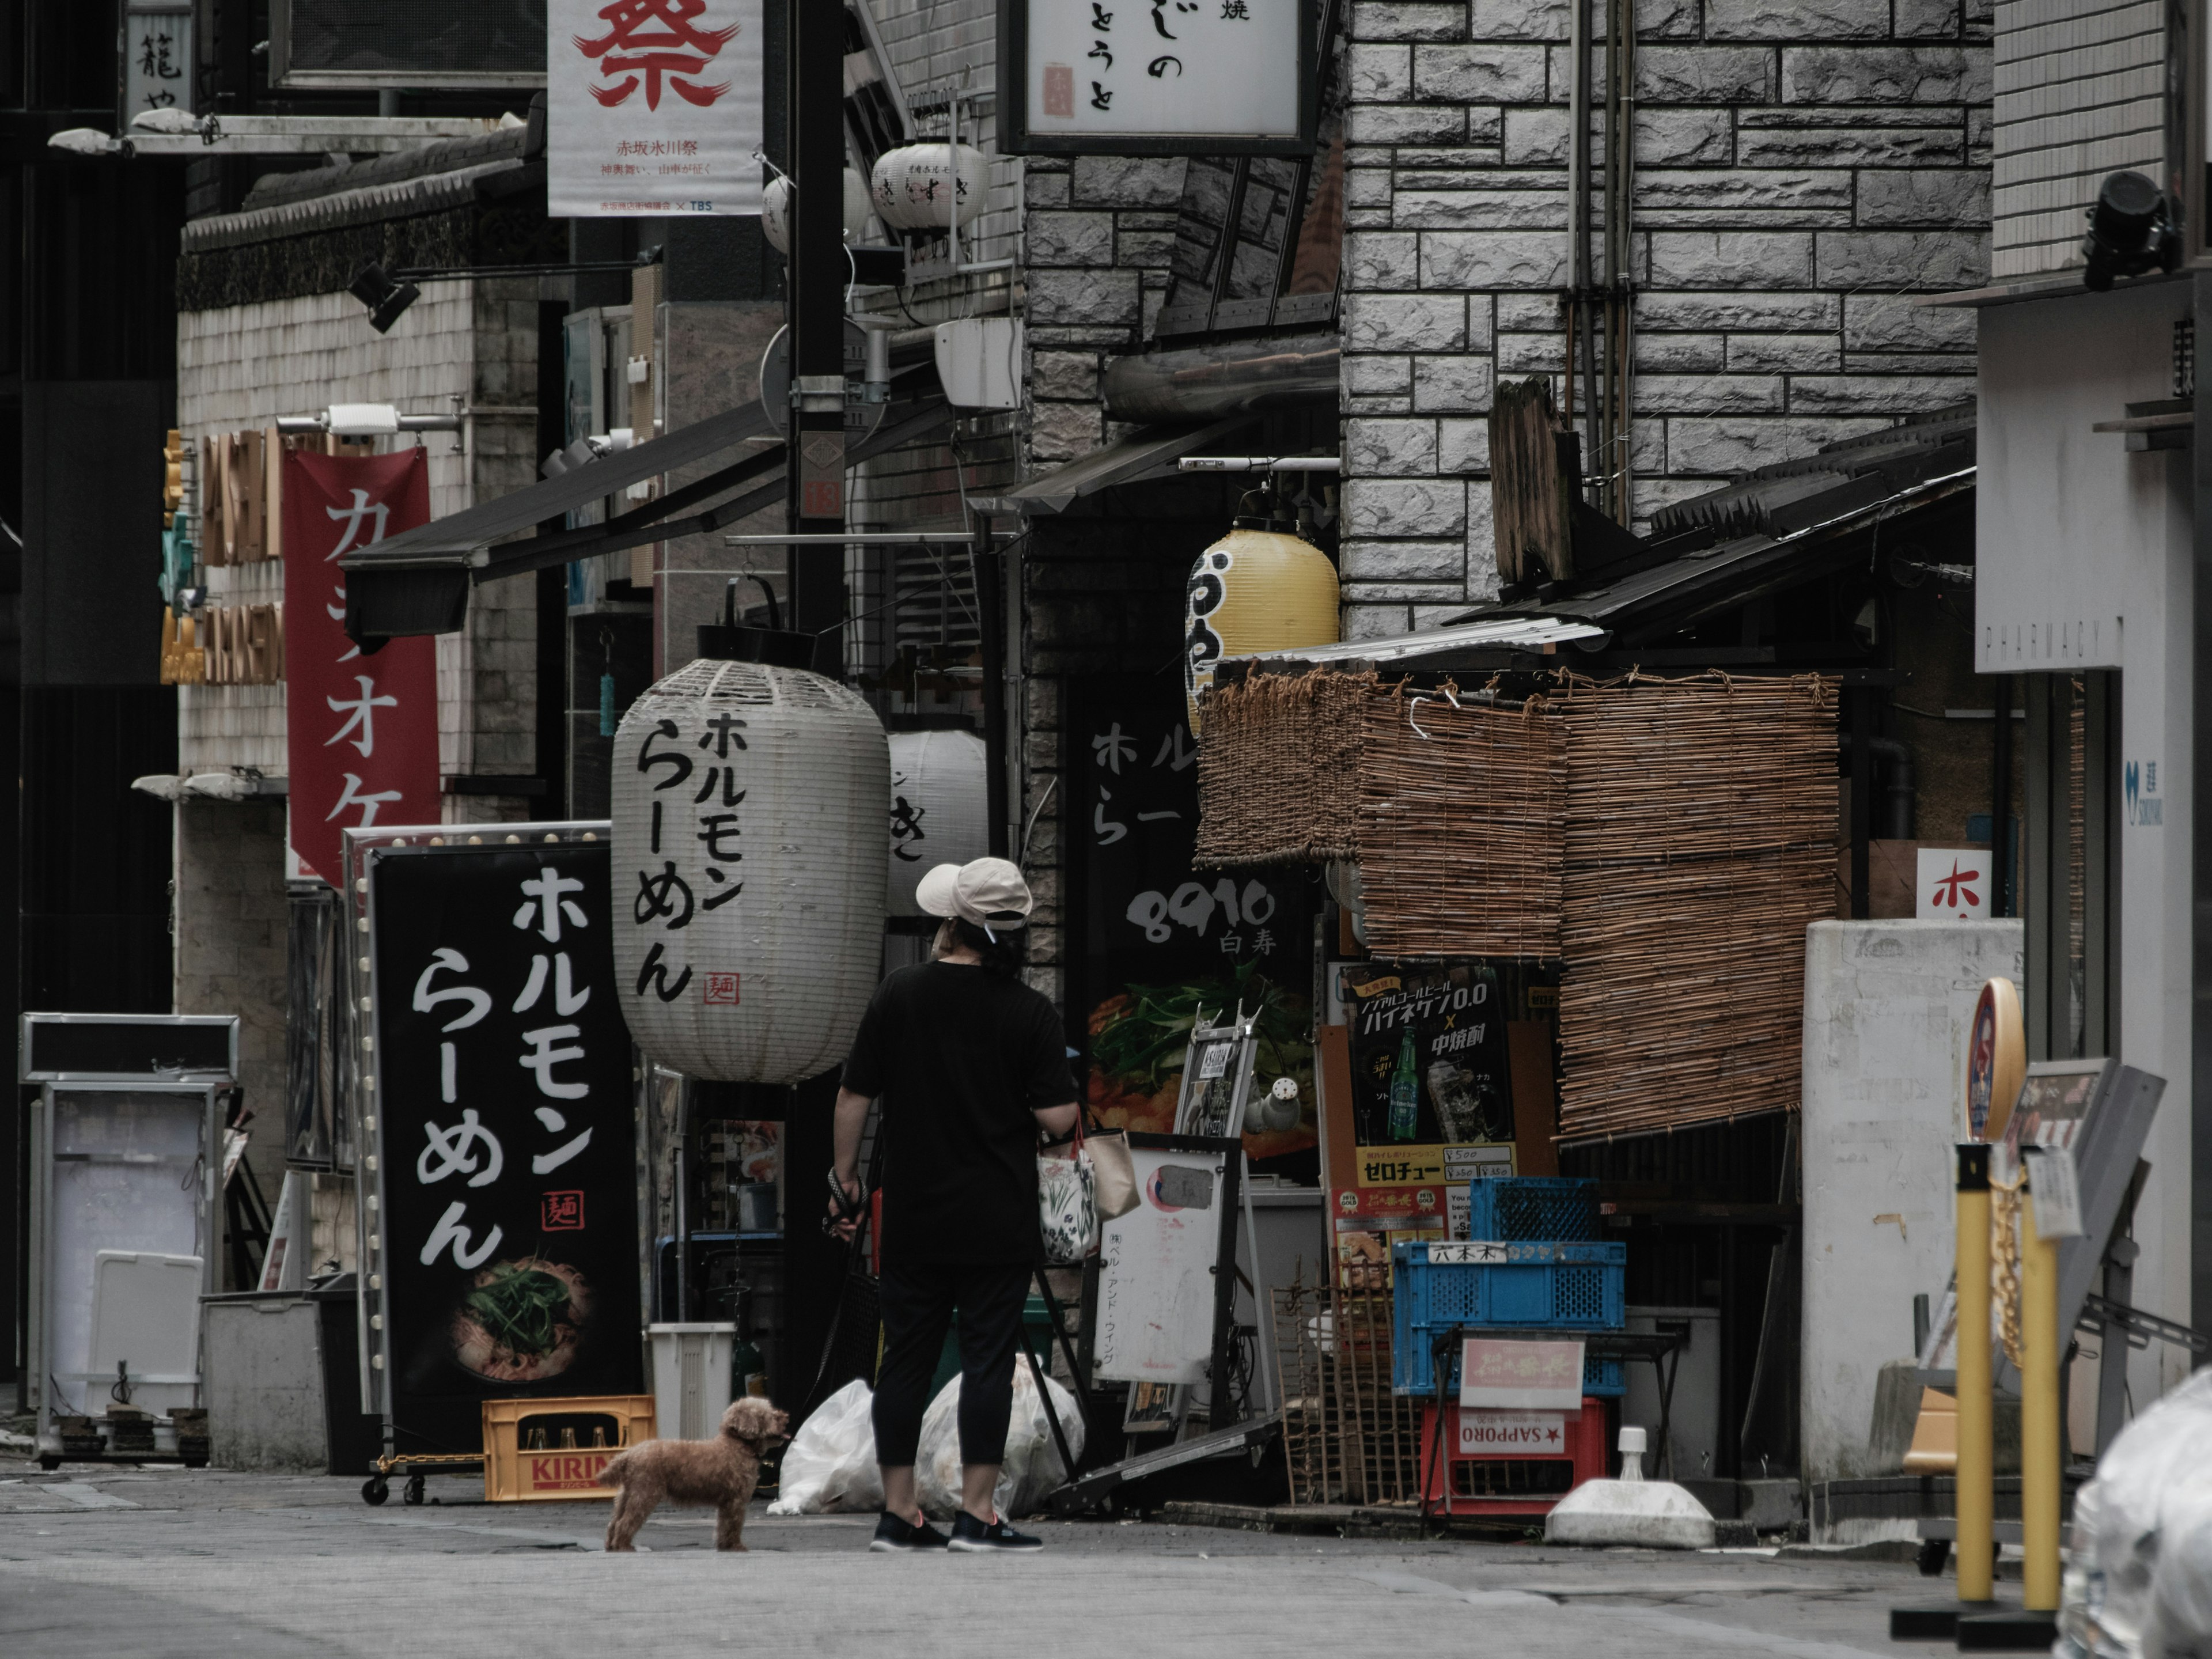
point(1498, 634)
point(1152, 452)
point(418, 582)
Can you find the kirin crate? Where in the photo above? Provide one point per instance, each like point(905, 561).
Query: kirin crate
point(1540, 1207)
point(1569, 1287)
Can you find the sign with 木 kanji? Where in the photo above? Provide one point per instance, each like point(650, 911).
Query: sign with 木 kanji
point(506, 1231)
point(360, 731)
point(652, 107)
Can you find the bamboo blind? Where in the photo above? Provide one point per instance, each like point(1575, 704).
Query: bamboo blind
point(1700, 843)
point(1279, 769)
point(1462, 808)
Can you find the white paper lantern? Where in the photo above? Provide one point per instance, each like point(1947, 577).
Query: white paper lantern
point(775, 210)
point(940, 808)
point(749, 871)
point(912, 186)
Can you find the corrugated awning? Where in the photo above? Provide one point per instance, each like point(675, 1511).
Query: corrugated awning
point(1155, 450)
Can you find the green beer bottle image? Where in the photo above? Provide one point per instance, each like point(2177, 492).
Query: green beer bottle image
point(1405, 1092)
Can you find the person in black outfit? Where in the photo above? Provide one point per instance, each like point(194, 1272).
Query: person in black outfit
point(970, 1063)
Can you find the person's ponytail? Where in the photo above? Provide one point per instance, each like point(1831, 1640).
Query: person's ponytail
point(1002, 955)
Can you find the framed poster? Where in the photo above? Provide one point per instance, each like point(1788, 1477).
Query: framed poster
point(1157, 77)
point(504, 1228)
point(1157, 947)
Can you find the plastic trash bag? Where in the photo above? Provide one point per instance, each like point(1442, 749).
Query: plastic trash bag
point(2138, 1583)
point(1032, 1469)
point(830, 1463)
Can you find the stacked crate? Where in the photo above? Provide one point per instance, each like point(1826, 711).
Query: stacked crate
point(1535, 1263)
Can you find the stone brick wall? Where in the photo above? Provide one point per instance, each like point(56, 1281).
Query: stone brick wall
point(2080, 94)
point(1802, 165)
point(1100, 243)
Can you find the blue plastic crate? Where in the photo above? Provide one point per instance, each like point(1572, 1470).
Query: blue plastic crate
point(1568, 1286)
point(1532, 1208)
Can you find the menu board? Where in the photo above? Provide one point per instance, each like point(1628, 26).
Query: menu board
point(504, 1243)
point(1159, 946)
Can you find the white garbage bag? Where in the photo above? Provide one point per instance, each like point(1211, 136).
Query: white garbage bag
point(830, 1463)
point(2139, 1584)
point(1032, 1468)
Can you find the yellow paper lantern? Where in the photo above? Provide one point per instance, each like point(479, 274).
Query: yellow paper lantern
point(1254, 590)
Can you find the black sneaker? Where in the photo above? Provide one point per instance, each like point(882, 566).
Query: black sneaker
point(971, 1536)
point(894, 1535)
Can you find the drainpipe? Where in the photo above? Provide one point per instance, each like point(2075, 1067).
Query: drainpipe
point(1902, 792)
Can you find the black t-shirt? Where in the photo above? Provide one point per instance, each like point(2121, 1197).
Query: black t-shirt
point(961, 1058)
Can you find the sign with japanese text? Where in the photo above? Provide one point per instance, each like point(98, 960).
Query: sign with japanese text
point(1954, 884)
point(1163, 942)
point(652, 107)
point(157, 58)
point(1193, 77)
point(1509, 1373)
point(506, 1230)
point(361, 732)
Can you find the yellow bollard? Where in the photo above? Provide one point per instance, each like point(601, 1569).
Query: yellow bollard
point(1977, 1542)
point(2040, 1493)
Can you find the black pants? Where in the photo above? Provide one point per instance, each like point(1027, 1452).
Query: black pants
point(917, 1300)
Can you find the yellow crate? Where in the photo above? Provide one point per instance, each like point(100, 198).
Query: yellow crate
point(516, 1471)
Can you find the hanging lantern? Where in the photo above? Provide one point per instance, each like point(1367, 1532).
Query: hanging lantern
point(776, 210)
point(1254, 590)
point(913, 185)
point(940, 790)
point(749, 878)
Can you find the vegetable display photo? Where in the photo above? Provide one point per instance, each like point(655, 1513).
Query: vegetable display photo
point(1166, 947)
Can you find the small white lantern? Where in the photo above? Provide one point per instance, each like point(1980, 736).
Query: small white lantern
point(749, 877)
point(940, 813)
point(775, 210)
point(913, 186)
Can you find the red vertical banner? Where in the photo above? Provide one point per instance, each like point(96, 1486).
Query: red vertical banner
point(362, 731)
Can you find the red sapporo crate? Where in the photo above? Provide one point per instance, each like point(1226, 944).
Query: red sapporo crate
point(1509, 1462)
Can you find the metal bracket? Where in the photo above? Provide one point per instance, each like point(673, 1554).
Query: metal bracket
point(2097, 1313)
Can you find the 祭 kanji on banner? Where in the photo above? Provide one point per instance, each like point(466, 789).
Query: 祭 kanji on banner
point(362, 731)
point(653, 107)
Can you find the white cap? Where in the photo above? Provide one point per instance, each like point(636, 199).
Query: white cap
point(985, 892)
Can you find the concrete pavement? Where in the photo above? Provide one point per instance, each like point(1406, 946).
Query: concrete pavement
point(171, 1565)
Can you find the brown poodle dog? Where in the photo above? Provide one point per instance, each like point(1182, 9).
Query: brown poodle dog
point(722, 1472)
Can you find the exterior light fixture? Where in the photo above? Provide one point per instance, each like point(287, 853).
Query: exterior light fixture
point(385, 298)
point(2131, 230)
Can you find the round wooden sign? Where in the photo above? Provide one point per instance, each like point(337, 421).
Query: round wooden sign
point(1996, 1061)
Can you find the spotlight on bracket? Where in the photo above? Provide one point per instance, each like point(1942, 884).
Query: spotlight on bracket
point(2131, 230)
point(385, 298)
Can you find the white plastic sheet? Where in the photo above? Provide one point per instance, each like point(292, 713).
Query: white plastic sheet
point(830, 1463)
point(1032, 1468)
point(2138, 1583)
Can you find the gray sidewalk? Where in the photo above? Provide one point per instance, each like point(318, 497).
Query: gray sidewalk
point(163, 1564)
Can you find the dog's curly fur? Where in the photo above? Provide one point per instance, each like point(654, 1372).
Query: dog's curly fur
point(722, 1471)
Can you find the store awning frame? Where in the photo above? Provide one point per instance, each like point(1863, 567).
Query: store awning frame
point(1151, 451)
point(418, 582)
